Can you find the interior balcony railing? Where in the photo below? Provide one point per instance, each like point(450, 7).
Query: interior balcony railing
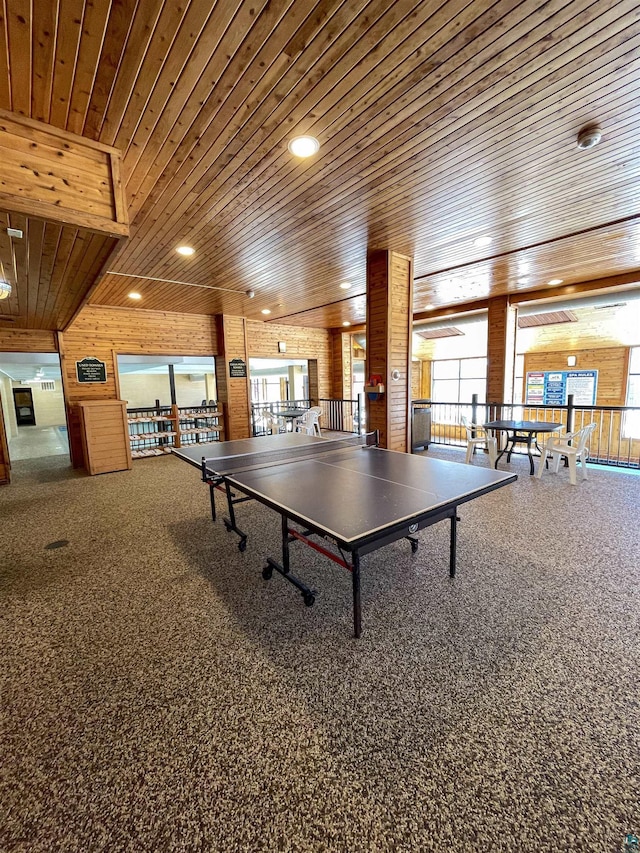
point(615, 441)
point(337, 415)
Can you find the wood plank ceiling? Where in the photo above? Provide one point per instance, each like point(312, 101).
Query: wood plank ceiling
point(439, 123)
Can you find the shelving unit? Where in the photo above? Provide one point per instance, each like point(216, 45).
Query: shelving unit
point(155, 431)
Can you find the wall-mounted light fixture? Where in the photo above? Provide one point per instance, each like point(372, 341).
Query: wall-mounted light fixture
point(5, 290)
point(571, 361)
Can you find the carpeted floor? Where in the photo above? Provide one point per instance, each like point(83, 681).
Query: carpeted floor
point(159, 695)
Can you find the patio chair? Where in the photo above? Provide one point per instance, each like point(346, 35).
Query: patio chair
point(557, 446)
point(477, 436)
point(309, 422)
point(275, 424)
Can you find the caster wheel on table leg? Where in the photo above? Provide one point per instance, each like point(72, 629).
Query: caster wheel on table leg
point(309, 599)
point(267, 573)
point(414, 547)
point(242, 545)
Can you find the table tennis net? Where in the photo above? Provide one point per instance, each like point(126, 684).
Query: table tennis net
point(265, 459)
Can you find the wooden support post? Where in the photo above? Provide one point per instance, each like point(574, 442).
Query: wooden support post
point(389, 334)
point(232, 372)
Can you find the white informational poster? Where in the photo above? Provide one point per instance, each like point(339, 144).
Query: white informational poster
point(552, 387)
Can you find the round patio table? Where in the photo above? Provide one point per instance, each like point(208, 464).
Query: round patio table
point(521, 432)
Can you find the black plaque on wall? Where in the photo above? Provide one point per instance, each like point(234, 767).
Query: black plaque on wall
point(237, 368)
point(91, 370)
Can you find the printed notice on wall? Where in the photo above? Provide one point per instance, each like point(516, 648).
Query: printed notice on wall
point(91, 370)
point(552, 387)
point(237, 368)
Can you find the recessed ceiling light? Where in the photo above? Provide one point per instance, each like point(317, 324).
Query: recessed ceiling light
point(134, 295)
point(346, 323)
point(345, 285)
point(187, 251)
point(483, 241)
point(266, 311)
point(429, 307)
point(304, 146)
point(555, 281)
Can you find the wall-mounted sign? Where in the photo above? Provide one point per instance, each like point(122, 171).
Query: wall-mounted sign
point(91, 370)
point(552, 387)
point(237, 368)
point(282, 346)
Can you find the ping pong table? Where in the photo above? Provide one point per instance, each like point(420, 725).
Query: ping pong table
point(350, 492)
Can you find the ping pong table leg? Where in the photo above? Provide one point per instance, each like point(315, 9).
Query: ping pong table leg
point(355, 578)
point(212, 496)
point(308, 595)
point(452, 543)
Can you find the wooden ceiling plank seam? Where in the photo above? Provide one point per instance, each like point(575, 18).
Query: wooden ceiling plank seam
point(19, 44)
point(174, 85)
point(236, 176)
point(393, 179)
point(6, 262)
point(280, 121)
point(19, 265)
point(5, 72)
point(398, 150)
point(89, 271)
point(427, 200)
point(52, 236)
point(66, 60)
point(201, 129)
point(106, 98)
point(85, 259)
point(44, 31)
point(92, 37)
point(33, 240)
point(166, 25)
point(64, 250)
point(474, 34)
point(315, 80)
point(196, 121)
point(529, 285)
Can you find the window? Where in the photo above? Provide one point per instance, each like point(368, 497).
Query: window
point(631, 427)
point(455, 381)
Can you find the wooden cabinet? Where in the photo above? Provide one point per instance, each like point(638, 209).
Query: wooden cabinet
point(155, 431)
point(104, 434)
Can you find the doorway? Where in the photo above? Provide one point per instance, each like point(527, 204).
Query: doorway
point(32, 401)
point(23, 404)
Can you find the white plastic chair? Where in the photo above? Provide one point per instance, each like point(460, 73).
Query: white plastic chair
point(558, 446)
point(275, 424)
point(477, 436)
point(309, 422)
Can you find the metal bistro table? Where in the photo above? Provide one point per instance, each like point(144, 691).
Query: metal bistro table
point(521, 432)
point(290, 415)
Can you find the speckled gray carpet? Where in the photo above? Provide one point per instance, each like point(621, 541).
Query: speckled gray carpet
point(159, 695)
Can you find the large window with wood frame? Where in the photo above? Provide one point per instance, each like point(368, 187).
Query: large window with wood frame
point(455, 380)
point(632, 419)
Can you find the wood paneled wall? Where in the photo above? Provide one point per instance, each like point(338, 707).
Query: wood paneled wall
point(502, 327)
point(106, 332)
point(316, 344)
point(389, 337)
point(612, 364)
point(233, 391)
point(26, 340)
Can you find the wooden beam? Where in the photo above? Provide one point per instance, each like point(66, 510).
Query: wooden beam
point(61, 177)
